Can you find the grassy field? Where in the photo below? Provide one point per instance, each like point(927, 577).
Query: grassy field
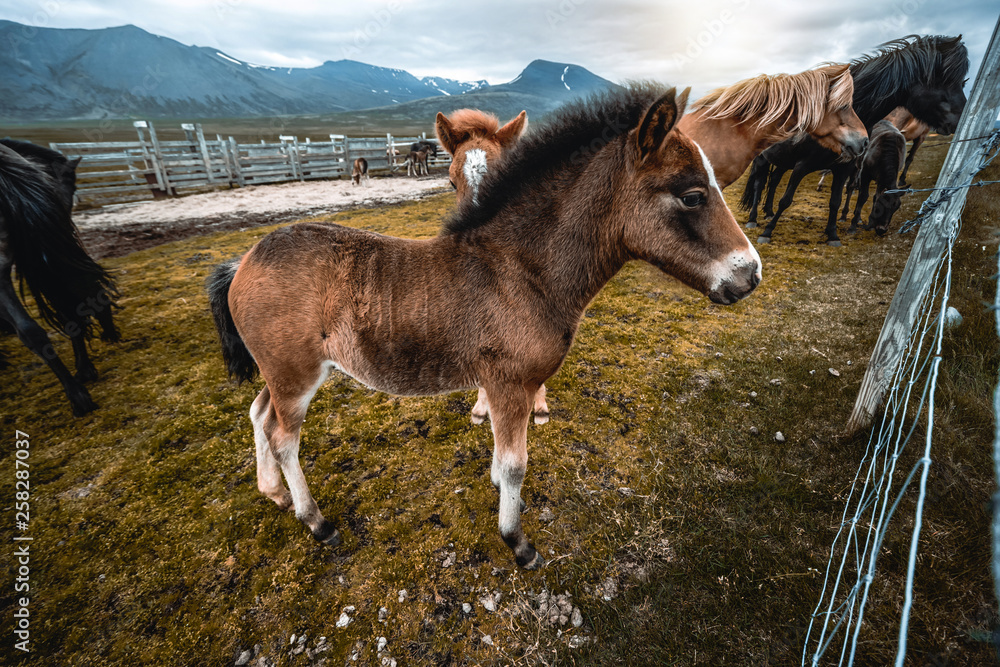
point(673, 519)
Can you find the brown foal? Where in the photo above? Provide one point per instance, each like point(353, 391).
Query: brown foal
point(735, 124)
point(494, 301)
point(475, 141)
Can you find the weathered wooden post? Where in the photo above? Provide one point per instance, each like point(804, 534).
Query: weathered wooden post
point(936, 232)
point(154, 157)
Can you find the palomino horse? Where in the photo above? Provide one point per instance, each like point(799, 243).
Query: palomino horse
point(37, 235)
point(913, 130)
point(923, 74)
point(734, 124)
point(359, 171)
point(494, 301)
point(476, 138)
point(881, 162)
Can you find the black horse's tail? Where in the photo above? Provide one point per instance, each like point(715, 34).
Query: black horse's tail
point(69, 287)
point(756, 182)
point(239, 361)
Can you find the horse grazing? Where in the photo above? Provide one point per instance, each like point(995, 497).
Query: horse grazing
point(474, 139)
point(924, 74)
point(37, 236)
point(734, 124)
point(913, 130)
point(494, 301)
point(359, 172)
point(881, 162)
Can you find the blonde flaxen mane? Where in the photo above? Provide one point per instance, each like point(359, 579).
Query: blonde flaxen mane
point(802, 99)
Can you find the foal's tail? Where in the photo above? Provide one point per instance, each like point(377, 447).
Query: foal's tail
point(756, 182)
point(239, 361)
point(69, 287)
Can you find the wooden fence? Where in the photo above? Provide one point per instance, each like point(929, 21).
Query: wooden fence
point(149, 168)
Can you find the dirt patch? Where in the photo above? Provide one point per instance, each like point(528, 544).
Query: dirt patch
point(117, 230)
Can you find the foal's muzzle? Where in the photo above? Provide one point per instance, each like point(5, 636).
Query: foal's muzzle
point(738, 286)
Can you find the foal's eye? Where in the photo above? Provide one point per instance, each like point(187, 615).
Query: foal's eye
point(453, 186)
point(693, 199)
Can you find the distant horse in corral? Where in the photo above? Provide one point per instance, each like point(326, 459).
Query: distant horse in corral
point(924, 74)
point(421, 145)
point(734, 124)
point(475, 141)
point(881, 162)
point(416, 162)
point(37, 236)
point(359, 172)
point(913, 130)
point(494, 301)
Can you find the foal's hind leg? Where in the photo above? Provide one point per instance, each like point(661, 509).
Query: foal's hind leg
point(268, 470)
point(85, 369)
point(510, 406)
point(282, 425)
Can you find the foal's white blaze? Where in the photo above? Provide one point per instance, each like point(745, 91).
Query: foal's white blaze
point(723, 270)
point(474, 170)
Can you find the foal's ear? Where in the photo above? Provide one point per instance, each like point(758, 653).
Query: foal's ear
point(682, 101)
point(74, 162)
point(512, 131)
point(445, 133)
point(656, 124)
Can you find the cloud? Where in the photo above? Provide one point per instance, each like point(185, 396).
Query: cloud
point(704, 44)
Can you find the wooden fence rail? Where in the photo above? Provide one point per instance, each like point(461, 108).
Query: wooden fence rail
point(123, 171)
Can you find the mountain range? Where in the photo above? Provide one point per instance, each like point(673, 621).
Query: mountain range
point(126, 72)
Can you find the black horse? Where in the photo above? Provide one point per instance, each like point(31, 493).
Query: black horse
point(422, 144)
point(924, 74)
point(881, 162)
point(37, 235)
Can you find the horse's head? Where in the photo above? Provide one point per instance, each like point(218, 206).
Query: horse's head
point(681, 223)
point(474, 140)
point(937, 96)
point(884, 206)
point(836, 125)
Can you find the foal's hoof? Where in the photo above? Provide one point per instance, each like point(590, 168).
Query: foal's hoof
point(541, 417)
point(327, 535)
point(751, 225)
point(532, 563)
point(763, 239)
point(834, 243)
point(83, 407)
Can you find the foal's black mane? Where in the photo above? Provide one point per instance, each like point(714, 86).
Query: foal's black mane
point(899, 64)
point(569, 140)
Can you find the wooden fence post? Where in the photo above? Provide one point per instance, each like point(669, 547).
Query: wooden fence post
point(234, 151)
point(203, 145)
point(936, 232)
point(153, 157)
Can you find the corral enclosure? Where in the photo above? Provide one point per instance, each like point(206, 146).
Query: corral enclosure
point(676, 523)
point(117, 171)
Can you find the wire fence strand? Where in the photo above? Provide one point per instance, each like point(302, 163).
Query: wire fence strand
point(877, 492)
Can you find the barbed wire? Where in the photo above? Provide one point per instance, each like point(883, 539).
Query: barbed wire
point(868, 503)
point(955, 141)
point(976, 162)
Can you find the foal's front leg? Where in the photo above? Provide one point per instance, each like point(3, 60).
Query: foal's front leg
point(510, 406)
point(482, 407)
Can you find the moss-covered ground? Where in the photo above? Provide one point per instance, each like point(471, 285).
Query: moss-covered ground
point(681, 528)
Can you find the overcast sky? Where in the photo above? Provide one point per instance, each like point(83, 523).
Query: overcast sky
point(702, 43)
